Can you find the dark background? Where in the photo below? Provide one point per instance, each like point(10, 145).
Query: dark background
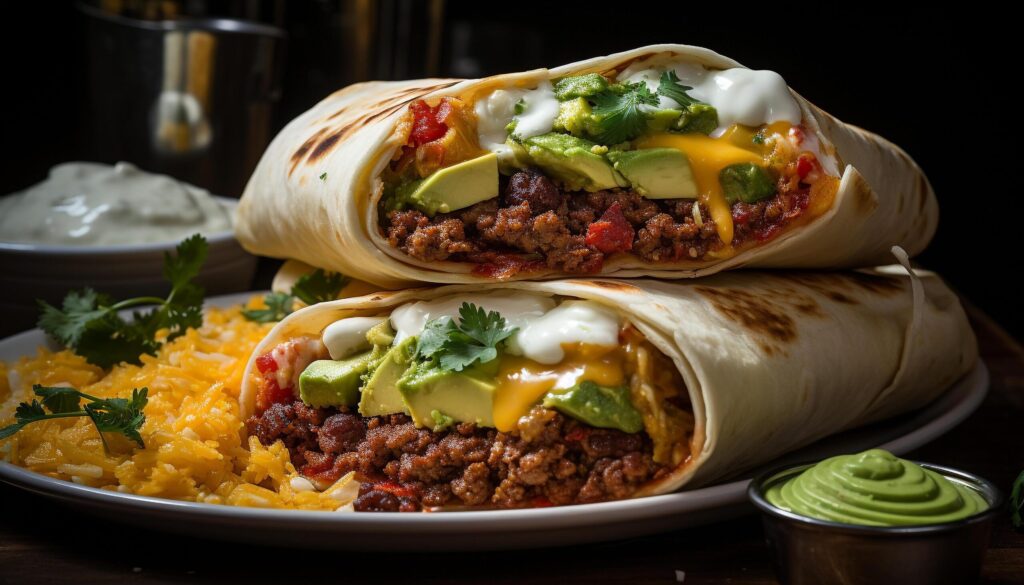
point(926, 81)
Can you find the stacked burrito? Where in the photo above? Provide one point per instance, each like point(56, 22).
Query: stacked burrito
point(592, 339)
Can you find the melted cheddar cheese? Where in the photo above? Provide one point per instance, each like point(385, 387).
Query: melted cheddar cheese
point(708, 156)
point(523, 382)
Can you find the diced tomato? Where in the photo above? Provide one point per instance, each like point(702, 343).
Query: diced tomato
point(266, 363)
point(427, 125)
point(805, 163)
point(577, 434)
point(395, 489)
point(274, 394)
point(611, 233)
point(541, 502)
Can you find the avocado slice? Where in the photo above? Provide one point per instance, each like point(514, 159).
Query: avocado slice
point(573, 162)
point(657, 173)
point(597, 406)
point(466, 396)
point(697, 118)
point(333, 382)
point(380, 395)
point(457, 186)
point(746, 182)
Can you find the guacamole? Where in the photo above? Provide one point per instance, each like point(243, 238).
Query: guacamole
point(875, 488)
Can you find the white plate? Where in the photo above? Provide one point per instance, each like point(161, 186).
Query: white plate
point(502, 529)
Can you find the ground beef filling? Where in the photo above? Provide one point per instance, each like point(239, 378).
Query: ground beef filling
point(548, 460)
point(534, 225)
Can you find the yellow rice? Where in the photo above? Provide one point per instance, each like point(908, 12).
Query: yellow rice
point(196, 447)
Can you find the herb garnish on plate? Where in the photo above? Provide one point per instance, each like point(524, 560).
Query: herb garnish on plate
point(316, 287)
point(110, 415)
point(89, 324)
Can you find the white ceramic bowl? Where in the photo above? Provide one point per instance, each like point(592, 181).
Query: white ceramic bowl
point(34, 271)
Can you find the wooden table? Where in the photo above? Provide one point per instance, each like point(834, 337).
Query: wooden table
point(42, 542)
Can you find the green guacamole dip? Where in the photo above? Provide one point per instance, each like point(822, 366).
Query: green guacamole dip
point(875, 488)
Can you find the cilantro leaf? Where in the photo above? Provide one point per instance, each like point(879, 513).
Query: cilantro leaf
point(457, 346)
point(110, 415)
point(323, 176)
point(487, 328)
point(89, 324)
point(120, 415)
point(316, 287)
point(59, 399)
point(617, 113)
point(319, 286)
point(67, 324)
point(461, 352)
point(183, 266)
point(434, 336)
point(26, 413)
point(670, 87)
point(279, 306)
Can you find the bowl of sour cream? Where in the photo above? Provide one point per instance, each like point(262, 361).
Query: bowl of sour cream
point(872, 518)
point(108, 227)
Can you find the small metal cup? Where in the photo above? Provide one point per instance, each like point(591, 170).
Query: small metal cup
point(808, 551)
point(191, 98)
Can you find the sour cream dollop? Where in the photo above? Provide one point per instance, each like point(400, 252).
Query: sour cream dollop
point(92, 204)
point(741, 96)
point(545, 327)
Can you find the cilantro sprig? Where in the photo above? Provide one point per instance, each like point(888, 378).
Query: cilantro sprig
point(618, 115)
point(110, 415)
point(89, 324)
point(316, 287)
point(474, 339)
point(670, 87)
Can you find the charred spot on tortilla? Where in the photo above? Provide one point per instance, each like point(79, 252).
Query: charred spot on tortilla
point(755, 313)
point(325, 145)
point(301, 151)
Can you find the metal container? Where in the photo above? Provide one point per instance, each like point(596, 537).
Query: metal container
point(808, 551)
point(192, 98)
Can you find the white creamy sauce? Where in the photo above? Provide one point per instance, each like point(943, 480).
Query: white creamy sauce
point(345, 337)
point(571, 322)
point(517, 307)
point(741, 96)
point(497, 110)
point(539, 113)
point(493, 115)
point(92, 204)
point(543, 327)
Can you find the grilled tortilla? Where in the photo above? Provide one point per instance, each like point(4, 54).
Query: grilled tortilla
point(769, 361)
point(319, 194)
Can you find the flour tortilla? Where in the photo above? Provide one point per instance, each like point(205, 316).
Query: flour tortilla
point(771, 361)
point(313, 196)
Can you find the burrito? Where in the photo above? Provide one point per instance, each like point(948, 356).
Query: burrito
point(667, 161)
point(530, 394)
